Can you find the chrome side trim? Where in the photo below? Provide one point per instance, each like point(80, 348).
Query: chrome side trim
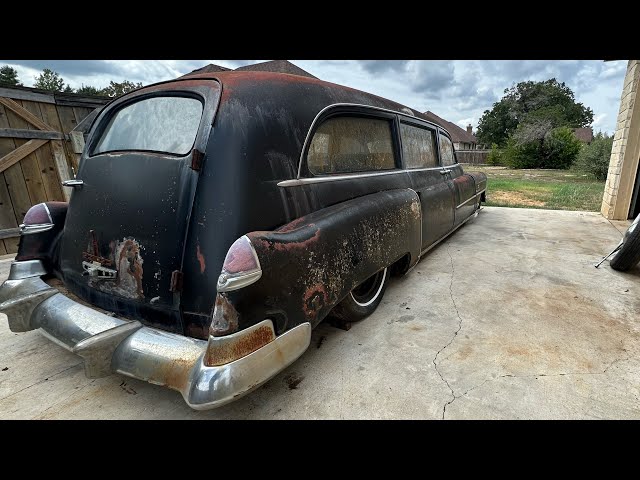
point(474, 197)
point(35, 228)
point(110, 344)
point(26, 269)
point(227, 283)
point(334, 178)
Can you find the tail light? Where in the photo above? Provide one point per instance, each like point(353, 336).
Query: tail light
point(38, 219)
point(241, 266)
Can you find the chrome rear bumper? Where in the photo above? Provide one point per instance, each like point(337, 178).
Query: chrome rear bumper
point(109, 344)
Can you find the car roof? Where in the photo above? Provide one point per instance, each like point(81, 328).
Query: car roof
point(236, 81)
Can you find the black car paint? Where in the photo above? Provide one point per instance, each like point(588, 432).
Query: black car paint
point(256, 142)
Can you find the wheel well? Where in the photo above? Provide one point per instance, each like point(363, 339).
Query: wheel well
point(401, 266)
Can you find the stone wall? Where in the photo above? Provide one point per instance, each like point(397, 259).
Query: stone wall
point(625, 152)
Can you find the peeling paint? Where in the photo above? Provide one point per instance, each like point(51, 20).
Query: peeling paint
point(128, 262)
point(225, 317)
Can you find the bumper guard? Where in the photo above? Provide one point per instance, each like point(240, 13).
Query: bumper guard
point(109, 344)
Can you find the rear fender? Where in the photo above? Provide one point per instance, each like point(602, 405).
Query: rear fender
point(43, 245)
point(312, 263)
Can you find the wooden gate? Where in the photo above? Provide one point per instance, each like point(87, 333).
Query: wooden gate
point(36, 151)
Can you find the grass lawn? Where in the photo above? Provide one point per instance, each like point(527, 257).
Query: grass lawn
point(552, 189)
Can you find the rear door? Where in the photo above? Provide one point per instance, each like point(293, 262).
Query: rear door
point(463, 186)
point(124, 236)
point(419, 153)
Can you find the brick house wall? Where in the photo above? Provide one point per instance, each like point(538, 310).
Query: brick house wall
point(625, 153)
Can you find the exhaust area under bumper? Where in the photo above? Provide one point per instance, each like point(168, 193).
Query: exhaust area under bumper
point(112, 345)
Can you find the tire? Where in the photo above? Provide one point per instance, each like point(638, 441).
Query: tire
point(363, 300)
point(629, 254)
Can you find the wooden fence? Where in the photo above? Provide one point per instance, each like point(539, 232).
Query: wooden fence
point(472, 157)
point(38, 150)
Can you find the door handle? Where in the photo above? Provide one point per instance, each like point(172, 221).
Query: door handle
point(72, 183)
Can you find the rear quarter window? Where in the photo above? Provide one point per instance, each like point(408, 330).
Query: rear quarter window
point(158, 124)
point(349, 144)
point(446, 152)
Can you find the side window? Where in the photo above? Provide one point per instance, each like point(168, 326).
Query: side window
point(351, 144)
point(446, 151)
point(418, 147)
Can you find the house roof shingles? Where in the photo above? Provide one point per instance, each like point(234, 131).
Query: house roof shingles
point(458, 135)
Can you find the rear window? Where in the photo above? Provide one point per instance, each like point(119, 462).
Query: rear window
point(351, 144)
point(418, 147)
point(159, 124)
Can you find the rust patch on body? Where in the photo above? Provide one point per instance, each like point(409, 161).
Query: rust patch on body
point(223, 353)
point(176, 373)
point(225, 317)
point(314, 299)
point(200, 257)
point(291, 226)
point(128, 262)
point(285, 246)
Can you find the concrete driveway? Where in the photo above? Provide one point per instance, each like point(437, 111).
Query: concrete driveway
point(508, 318)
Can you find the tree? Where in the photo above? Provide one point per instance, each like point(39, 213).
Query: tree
point(549, 102)
point(50, 80)
point(9, 76)
point(116, 89)
point(89, 90)
point(594, 158)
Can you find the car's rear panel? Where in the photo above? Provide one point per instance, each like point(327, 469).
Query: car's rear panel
point(124, 236)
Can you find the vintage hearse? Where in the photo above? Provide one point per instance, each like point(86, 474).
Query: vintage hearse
point(217, 218)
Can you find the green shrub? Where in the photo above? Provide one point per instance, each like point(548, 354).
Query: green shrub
point(557, 148)
point(594, 158)
point(561, 148)
point(495, 156)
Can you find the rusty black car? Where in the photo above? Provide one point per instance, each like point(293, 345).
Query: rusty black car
point(216, 219)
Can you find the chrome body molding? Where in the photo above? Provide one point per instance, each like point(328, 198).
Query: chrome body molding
point(109, 344)
point(35, 228)
point(474, 198)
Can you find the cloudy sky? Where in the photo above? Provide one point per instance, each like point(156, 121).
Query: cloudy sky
point(458, 90)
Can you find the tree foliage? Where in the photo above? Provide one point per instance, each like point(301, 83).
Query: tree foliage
point(594, 158)
point(50, 80)
point(115, 89)
point(89, 90)
point(549, 103)
point(9, 76)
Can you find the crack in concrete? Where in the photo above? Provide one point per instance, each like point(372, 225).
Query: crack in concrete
point(455, 397)
point(455, 334)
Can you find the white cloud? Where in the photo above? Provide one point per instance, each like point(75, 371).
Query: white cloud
point(458, 90)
